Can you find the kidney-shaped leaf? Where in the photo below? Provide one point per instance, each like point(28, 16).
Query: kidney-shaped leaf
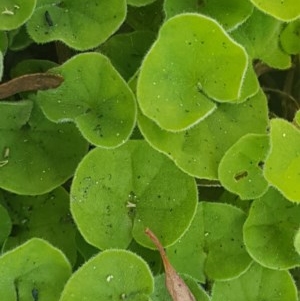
point(79, 24)
point(34, 269)
point(283, 10)
point(283, 162)
point(118, 193)
point(198, 151)
point(213, 244)
point(270, 229)
point(229, 13)
point(240, 170)
point(186, 69)
point(257, 283)
point(37, 155)
point(95, 97)
point(111, 275)
point(30, 217)
point(15, 13)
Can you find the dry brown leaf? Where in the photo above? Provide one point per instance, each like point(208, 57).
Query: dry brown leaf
point(177, 288)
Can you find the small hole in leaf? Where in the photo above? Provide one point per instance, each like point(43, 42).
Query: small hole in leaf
point(241, 175)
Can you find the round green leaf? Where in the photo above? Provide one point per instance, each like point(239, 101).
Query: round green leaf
point(36, 154)
point(161, 293)
point(34, 269)
point(257, 283)
point(260, 37)
point(214, 251)
point(290, 37)
point(5, 224)
point(15, 13)
point(95, 97)
point(116, 194)
point(176, 86)
point(198, 151)
point(111, 275)
point(19, 39)
point(240, 170)
point(30, 217)
point(134, 46)
point(79, 24)
point(285, 10)
point(270, 229)
point(229, 13)
point(283, 162)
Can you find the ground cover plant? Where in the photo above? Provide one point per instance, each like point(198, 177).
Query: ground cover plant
point(149, 150)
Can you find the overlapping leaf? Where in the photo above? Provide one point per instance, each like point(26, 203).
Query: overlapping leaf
point(110, 275)
point(283, 162)
point(270, 229)
point(241, 168)
point(5, 224)
point(30, 218)
point(229, 13)
point(198, 151)
point(257, 283)
point(34, 269)
point(176, 86)
point(95, 97)
point(213, 244)
point(36, 154)
point(15, 13)
point(290, 37)
point(81, 25)
point(139, 2)
point(117, 193)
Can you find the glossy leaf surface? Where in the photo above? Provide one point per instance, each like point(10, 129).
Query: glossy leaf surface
point(270, 229)
point(114, 197)
point(213, 244)
point(198, 151)
point(257, 283)
point(33, 269)
point(283, 162)
point(80, 25)
point(110, 275)
point(175, 87)
point(37, 155)
point(95, 97)
point(241, 168)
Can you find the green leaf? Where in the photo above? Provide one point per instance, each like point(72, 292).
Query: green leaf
point(297, 242)
point(80, 25)
point(118, 193)
point(260, 36)
point(240, 170)
point(95, 97)
point(161, 293)
point(1, 65)
point(36, 154)
point(214, 251)
point(34, 269)
point(3, 47)
point(198, 151)
point(283, 162)
point(290, 37)
point(297, 118)
point(134, 46)
point(229, 13)
point(110, 275)
point(19, 39)
point(139, 2)
point(86, 250)
point(175, 87)
point(5, 224)
point(15, 13)
point(283, 10)
point(30, 217)
point(257, 283)
point(270, 229)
